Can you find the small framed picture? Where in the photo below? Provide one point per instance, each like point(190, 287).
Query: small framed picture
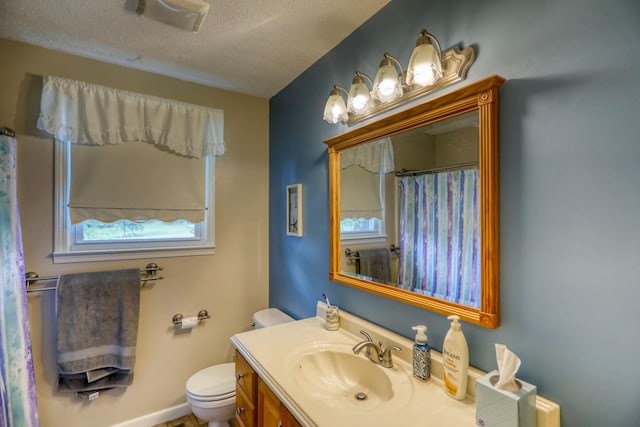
point(294, 210)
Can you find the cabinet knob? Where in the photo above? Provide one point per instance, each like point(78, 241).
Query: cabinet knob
point(239, 411)
point(239, 376)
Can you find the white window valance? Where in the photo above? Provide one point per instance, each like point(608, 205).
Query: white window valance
point(83, 113)
point(375, 157)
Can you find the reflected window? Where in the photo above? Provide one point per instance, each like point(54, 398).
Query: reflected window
point(360, 228)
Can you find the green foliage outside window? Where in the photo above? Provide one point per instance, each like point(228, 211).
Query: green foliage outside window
point(125, 230)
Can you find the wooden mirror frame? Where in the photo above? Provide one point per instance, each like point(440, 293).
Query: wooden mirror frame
point(483, 97)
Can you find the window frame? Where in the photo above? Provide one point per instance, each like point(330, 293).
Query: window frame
point(66, 250)
point(370, 237)
point(364, 235)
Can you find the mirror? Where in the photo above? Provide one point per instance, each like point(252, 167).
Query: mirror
point(414, 205)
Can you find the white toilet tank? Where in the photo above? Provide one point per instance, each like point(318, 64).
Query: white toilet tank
point(270, 317)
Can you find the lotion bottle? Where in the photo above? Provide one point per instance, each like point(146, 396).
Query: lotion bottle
point(455, 355)
point(421, 354)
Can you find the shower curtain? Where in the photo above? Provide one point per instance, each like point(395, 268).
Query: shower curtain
point(439, 236)
point(17, 388)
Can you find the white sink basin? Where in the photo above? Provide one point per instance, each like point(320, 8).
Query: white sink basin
point(333, 374)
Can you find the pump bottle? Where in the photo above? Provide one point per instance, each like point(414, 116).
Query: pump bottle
point(455, 355)
point(421, 354)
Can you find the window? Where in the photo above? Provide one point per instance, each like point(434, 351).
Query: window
point(362, 204)
point(363, 169)
point(360, 228)
point(94, 231)
point(92, 240)
point(134, 173)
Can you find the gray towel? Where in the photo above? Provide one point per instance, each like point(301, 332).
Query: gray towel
point(376, 263)
point(97, 315)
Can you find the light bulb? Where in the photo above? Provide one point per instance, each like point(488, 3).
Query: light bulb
point(359, 100)
point(387, 86)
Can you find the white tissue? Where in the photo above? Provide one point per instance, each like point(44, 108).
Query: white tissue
point(189, 322)
point(508, 365)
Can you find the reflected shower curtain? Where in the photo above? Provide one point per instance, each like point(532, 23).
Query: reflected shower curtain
point(17, 389)
point(439, 236)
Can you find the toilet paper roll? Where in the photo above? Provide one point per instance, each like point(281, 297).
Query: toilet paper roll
point(189, 322)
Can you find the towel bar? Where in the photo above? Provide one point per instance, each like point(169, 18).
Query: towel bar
point(150, 272)
point(354, 255)
point(7, 132)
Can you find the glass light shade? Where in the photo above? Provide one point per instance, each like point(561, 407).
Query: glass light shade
point(335, 110)
point(424, 66)
point(387, 85)
point(359, 100)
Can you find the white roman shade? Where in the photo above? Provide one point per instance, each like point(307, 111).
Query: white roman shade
point(135, 181)
point(83, 113)
point(359, 194)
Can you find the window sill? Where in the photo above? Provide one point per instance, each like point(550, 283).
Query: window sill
point(126, 254)
point(363, 240)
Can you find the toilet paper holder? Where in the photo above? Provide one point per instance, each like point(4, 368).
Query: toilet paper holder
point(202, 315)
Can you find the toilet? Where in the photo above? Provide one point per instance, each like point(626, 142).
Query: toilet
point(211, 392)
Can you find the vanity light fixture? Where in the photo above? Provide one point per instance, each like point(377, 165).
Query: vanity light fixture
point(429, 69)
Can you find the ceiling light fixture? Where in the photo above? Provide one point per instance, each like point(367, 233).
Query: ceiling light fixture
point(185, 14)
point(429, 69)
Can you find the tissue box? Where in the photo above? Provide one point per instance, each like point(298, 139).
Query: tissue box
point(501, 408)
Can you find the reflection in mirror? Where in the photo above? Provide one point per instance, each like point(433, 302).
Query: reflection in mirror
point(414, 205)
point(409, 210)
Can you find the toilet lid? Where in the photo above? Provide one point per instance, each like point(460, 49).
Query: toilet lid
point(270, 317)
point(214, 381)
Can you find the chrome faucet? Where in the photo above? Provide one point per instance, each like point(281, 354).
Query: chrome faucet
point(374, 351)
point(368, 343)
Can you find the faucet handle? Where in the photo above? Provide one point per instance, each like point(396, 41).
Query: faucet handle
point(386, 359)
point(366, 335)
point(373, 356)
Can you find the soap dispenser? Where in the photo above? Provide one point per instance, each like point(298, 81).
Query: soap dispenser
point(421, 354)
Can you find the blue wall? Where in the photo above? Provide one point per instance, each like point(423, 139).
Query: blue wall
point(570, 189)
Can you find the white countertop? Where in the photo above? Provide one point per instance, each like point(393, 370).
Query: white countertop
point(272, 352)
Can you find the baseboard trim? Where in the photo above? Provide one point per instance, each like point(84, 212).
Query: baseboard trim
point(158, 417)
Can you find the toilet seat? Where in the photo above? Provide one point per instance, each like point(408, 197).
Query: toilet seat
point(212, 404)
point(212, 384)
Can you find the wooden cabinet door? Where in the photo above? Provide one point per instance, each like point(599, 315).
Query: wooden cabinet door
point(246, 377)
point(271, 412)
point(268, 407)
point(245, 410)
point(289, 420)
point(246, 393)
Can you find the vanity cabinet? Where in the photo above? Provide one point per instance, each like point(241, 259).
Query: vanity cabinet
point(246, 393)
point(256, 404)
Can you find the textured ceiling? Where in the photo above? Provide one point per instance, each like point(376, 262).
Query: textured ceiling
point(255, 47)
